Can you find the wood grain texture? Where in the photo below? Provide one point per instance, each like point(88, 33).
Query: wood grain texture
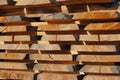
point(7, 74)
point(100, 69)
point(98, 58)
point(95, 48)
point(103, 26)
point(32, 2)
point(54, 67)
point(96, 15)
point(96, 77)
point(51, 57)
point(47, 76)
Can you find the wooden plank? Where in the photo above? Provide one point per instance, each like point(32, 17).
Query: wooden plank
point(22, 38)
point(109, 15)
point(103, 26)
point(88, 37)
point(14, 28)
point(98, 58)
point(51, 57)
point(54, 67)
point(12, 38)
point(45, 47)
point(99, 69)
point(95, 48)
point(60, 27)
point(110, 37)
point(32, 2)
point(100, 26)
point(65, 38)
point(14, 46)
point(49, 38)
point(14, 18)
point(97, 77)
point(2, 29)
point(5, 38)
point(47, 76)
point(13, 65)
point(65, 67)
point(12, 56)
point(54, 39)
point(16, 75)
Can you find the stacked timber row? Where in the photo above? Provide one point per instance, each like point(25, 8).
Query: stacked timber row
point(59, 40)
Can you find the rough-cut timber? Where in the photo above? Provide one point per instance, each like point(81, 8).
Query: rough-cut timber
point(32, 2)
point(59, 40)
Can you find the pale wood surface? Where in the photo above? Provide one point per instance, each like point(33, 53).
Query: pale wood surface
point(47, 76)
point(94, 48)
point(32, 2)
point(95, 77)
point(100, 69)
point(96, 15)
point(99, 58)
point(103, 26)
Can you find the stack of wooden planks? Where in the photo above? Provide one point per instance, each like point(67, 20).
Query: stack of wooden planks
point(59, 40)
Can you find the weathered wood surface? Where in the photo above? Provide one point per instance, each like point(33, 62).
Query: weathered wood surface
point(94, 48)
point(103, 26)
point(7, 74)
point(47, 76)
point(97, 77)
point(99, 58)
point(100, 69)
point(96, 15)
point(68, 40)
point(54, 67)
point(14, 18)
point(12, 56)
point(51, 57)
point(54, 27)
point(32, 2)
point(41, 66)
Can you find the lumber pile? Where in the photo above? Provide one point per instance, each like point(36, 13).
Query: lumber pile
point(59, 40)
